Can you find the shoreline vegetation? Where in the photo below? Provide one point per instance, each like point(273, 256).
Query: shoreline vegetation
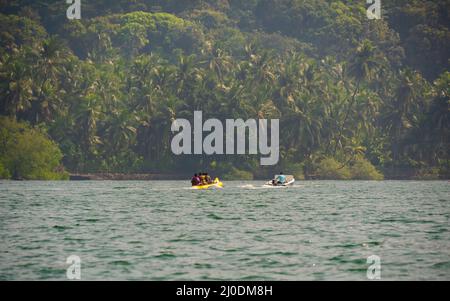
point(397, 174)
point(419, 176)
point(28, 153)
point(169, 177)
point(404, 174)
point(96, 98)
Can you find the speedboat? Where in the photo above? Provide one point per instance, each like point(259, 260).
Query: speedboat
point(289, 182)
point(215, 184)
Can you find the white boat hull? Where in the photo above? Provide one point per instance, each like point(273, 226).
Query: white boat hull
point(287, 184)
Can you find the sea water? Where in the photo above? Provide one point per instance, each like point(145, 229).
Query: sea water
point(316, 230)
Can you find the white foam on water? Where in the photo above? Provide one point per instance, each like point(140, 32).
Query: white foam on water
point(247, 186)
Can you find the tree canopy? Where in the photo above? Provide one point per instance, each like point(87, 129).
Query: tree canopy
point(351, 93)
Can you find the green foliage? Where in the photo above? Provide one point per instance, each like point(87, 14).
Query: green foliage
point(362, 169)
point(427, 174)
point(295, 169)
point(237, 174)
point(358, 169)
point(330, 169)
point(16, 31)
point(423, 26)
point(210, 18)
point(132, 34)
point(4, 173)
point(107, 88)
point(28, 154)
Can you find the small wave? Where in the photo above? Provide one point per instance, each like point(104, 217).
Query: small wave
point(255, 277)
point(46, 272)
point(191, 240)
point(135, 242)
point(91, 220)
point(120, 263)
point(214, 216)
point(344, 259)
point(27, 248)
point(234, 250)
point(355, 245)
point(165, 256)
point(61, 228)
point(203, 266)
point(275, 253)
point(265, 262)
point(74, 239)
point(442, 265)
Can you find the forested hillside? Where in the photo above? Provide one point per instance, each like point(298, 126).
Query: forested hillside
point(356, 98)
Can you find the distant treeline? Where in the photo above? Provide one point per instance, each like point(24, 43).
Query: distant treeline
point(356, 98)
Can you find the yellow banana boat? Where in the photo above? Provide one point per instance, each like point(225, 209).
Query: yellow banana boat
point(215, 184)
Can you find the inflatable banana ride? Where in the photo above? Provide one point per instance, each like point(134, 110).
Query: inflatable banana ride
point(289, 182)
point(216, 184)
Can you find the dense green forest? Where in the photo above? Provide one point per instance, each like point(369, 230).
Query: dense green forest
point(356, 98)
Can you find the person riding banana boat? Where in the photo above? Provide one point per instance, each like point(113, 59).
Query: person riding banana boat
point(203, 181)
point(195, 180)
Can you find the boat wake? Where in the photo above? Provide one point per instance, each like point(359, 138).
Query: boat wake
point(265, 186)
point(251, 186)
point(248, 186)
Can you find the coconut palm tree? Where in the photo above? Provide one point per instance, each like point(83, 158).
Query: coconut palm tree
point(16, 85)
point(400, 113)
point(361, 68)
point(52, 57)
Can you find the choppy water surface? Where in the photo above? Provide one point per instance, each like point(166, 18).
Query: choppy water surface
point(166, 231)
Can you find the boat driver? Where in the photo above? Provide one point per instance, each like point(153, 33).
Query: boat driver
point(281, 179)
